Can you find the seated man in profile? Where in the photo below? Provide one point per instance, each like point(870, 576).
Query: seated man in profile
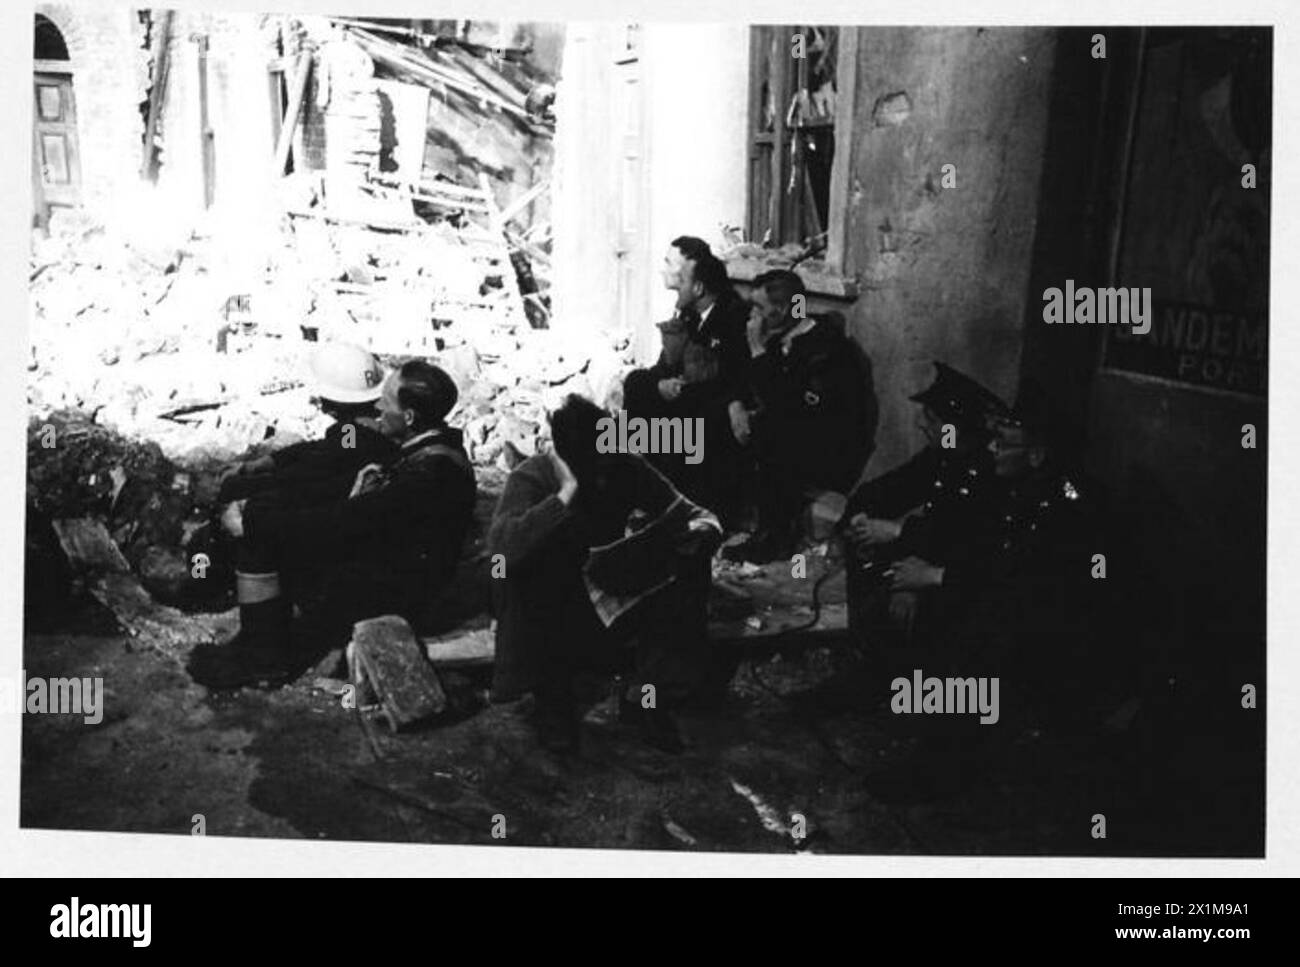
point(930, 506)
point(1018, 597)
point(385, 548)
point(557, 508)
point(702, 372)
point(1018, 604)
point(346, 387)
point(811, 427)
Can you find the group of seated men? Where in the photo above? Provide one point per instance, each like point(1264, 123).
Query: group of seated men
point(369, 520)
point(784, 396)
point(965, 556)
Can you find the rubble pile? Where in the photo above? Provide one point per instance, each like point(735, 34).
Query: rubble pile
point(146, 342)
point(156, 513)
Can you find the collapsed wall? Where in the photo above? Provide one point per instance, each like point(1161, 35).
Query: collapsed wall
point(166, 346)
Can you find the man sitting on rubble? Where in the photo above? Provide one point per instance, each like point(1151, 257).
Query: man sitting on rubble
point(702, 372)
point(1019, 604)
point(346, 383)
point(385, 549)
point(812, 428)
point(555, 509)
point(931, 506)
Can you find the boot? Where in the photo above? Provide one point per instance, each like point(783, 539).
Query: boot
point(261, 653)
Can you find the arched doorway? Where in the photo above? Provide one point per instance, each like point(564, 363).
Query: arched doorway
point(56, 167)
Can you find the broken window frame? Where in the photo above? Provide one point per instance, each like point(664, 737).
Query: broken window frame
point(776, 216)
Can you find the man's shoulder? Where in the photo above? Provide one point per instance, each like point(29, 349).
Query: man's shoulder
point(734, 310)
point(536, 471)
point(436, 455)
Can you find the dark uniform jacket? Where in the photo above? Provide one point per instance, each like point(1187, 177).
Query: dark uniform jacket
point(407, 519)
point(1024, 582)
point(814, 407)
point(1022, 602)
point(542, 605)
point(315, 470)
point(952, 493)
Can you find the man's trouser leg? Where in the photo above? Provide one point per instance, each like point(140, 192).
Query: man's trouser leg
point(572, 639)
point(672, 653)
point(348, 593)
point(780, 499)
point(262, 650)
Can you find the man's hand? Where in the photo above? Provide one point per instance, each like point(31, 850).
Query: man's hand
point(232, 518)
point(568, 482)
point(247, 468)
point(903, 607)
point(671, 388)
point(754, 333)
point(739, 421)
point(914, 574)
point(864, 531)
point(703, 536)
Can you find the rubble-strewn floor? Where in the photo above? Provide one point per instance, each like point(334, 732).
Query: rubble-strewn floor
point(294, 763)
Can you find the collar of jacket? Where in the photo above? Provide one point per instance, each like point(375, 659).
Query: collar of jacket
point(438, 434)
point(784, 340)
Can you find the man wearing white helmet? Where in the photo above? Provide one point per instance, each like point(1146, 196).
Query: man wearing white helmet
point(387, 546)
point(346, 383)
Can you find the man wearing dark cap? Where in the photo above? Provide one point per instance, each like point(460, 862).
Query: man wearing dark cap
point(929, 505)
point(1023, 604)
point(385, 549)
point(1023, 590)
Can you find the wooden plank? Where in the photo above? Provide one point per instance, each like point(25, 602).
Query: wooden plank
point(156, 93)
point(94, 554)
point(89, 547)
point(846, 99)
point(381, 224)
point(817, 283)
point(158, 627)
point(291, 114)
point(461, 649)
point(386, 656)
point(497, 228)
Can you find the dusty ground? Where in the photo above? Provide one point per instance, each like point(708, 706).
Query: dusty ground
point(293, 763)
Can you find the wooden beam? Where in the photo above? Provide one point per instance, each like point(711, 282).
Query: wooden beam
point(778, 85)
point(461, 649)
point(846, 89)
point(291, 115)
point(157, 92)
point(95, 556)
point(208, 154)
point(523, 201)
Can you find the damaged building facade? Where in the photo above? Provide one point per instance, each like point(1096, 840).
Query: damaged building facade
point(213, 193)
point(969, 170)
point(299, 178)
